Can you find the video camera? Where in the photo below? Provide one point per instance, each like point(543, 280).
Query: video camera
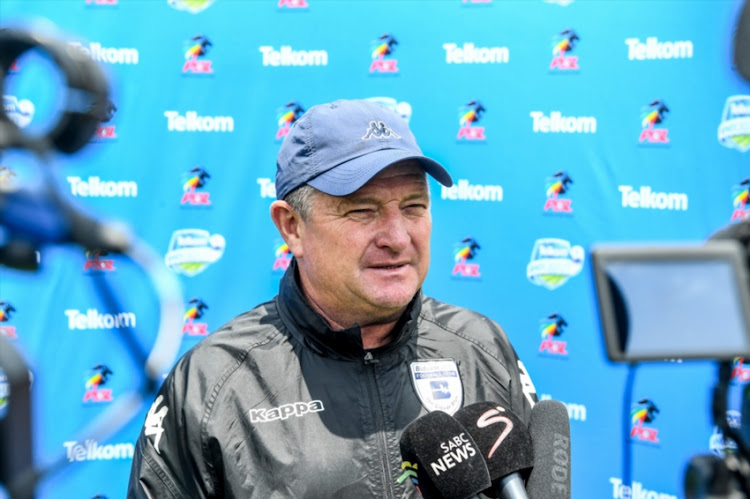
point(674, 302)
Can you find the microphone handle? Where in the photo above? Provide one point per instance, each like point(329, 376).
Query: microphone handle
point(511, 487)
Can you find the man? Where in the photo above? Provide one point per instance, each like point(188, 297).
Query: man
point(307, 395)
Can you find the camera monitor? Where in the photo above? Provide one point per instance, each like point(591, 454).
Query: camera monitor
point(669, 302)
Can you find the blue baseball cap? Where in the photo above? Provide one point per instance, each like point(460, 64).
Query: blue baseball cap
point(339, 146)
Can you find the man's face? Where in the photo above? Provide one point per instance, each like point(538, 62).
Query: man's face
point(365, 255)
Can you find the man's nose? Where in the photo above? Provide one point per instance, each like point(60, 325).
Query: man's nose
point(393, 231)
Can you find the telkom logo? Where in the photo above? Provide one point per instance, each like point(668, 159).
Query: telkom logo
point(192, 122)
point(93, 319)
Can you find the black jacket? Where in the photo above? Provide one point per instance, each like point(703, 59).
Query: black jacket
point(276, 404)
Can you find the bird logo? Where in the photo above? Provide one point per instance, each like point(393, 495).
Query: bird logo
point(467, 250)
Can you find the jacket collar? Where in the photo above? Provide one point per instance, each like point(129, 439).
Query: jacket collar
point(312, 330)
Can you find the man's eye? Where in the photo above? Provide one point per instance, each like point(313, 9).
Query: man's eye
point(361, 211)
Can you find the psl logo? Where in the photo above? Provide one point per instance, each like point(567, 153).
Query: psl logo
point(6, 310)
point(106, 132)
point(196, 50)
point(551, 328)
point(468, 116)
point(553, 262)
point(192, 6)
point(401, 108)
point(293, 4)
point(286, 117)
point(191, 251)
point(95, 262)
point(562, 45)
point(734, 129)
point(739, 371)
point(381, 49)
point(653, 115)
point(558, 185)
point(644, 412)
point(97, 378)
point(196, 179)
point(464, 251)
point(195, 310)
point(283, 257)
point(740, 196)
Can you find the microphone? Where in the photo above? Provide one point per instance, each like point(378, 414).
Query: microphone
point(505, 443)
point(442, 459)
point(549, 427)
point(31, 219)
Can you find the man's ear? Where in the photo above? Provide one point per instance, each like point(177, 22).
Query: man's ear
point(289, 224)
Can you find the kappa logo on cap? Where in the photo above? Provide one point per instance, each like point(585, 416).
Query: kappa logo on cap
point(380, 130)
point(438, 384)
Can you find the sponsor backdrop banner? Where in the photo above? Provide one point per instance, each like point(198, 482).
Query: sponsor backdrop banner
point(564, 123)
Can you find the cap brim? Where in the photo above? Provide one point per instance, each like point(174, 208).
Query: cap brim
point(348, 177)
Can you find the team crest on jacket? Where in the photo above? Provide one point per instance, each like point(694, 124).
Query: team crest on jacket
point(438, 384)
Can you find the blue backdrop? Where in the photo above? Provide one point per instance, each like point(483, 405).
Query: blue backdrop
point(564, 123)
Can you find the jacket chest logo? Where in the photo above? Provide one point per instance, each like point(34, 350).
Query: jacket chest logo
point(438, 384)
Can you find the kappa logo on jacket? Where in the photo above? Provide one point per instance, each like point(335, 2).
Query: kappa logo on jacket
point(296, 409)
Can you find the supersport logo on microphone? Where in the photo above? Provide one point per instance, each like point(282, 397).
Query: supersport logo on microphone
point(494, 416)
point(505, 443)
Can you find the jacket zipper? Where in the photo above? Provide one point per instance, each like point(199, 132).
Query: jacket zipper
point(377, 410)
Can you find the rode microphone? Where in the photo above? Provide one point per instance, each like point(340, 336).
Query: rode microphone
point(442, 459)
point(549, 426)
point(504, 442)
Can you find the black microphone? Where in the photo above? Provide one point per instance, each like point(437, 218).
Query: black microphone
point(505, 443)
point(442, 459)
point(549, 426)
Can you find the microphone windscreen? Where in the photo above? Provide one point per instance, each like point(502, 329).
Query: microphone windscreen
point(549, 426)
point(442, 458)
point(742, 42)
point(502, 438)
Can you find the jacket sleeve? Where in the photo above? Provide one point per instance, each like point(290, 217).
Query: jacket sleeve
point(528, 396)
point(522, 391)
point(168, 461)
